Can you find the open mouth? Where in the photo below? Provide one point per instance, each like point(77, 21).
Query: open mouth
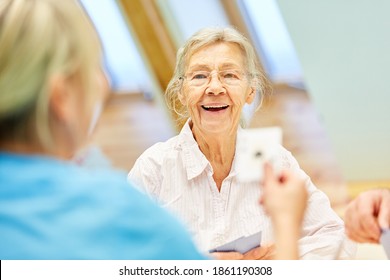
point(215, 108)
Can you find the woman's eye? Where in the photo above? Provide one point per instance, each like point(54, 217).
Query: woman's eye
point(230, 75)
point(199, 76)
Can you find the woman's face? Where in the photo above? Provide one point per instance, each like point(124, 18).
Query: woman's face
point(216, 88)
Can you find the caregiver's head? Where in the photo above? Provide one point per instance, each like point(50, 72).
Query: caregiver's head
point(51, 80)
point(216, 74)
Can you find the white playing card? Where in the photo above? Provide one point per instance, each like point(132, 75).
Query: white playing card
point(255, 147)
point(385, 241)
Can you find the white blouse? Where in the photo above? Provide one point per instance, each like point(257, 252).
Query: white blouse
point(178, 176)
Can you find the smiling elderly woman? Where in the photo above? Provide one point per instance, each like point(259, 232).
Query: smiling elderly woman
point(193, 173)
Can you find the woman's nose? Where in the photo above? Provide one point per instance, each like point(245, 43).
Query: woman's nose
point(215, 85)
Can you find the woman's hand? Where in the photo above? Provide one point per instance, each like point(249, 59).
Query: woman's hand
point(265, 252)
point(367, 214)
point(284, 199)
point(284, 196)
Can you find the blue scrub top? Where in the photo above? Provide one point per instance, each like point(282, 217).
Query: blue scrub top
point(52, 209)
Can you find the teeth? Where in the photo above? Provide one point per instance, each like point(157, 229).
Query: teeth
point(215, 107)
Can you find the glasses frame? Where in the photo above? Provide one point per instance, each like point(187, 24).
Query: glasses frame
point(238, 77)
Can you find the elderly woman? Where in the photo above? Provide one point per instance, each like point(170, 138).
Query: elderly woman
point(51, 83)
point(194, 175)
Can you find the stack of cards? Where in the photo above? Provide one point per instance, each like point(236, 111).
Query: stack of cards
point(242, 244)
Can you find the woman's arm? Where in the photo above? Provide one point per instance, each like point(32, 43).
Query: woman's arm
point(284, 199)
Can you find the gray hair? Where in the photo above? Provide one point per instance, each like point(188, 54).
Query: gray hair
point(39, 39)
point(204, 38)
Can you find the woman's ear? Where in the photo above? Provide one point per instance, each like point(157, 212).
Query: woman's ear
point(251, 96)
point(59, 98)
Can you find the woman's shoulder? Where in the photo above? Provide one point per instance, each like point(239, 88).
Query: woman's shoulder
point(285, 159)
point(125, 201)
point(171, 147)
point(158, 152)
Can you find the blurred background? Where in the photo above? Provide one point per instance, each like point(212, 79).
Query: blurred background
point(328, 62)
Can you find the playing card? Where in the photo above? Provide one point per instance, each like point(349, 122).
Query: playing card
point(255, 147)
point(385, 241)
point(245, 244)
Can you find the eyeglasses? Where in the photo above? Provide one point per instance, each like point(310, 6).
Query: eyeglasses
point(226, 77)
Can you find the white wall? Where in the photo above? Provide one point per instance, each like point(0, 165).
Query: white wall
point(344, 50)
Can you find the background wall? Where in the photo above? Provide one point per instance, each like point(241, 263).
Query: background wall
point(344, 51)
point(124, 64)
point(272, 40)
point(185, 17)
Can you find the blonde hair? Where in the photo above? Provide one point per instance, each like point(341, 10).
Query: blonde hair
point(206, 37)
point(39, 39)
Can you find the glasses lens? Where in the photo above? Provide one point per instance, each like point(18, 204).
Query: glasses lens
point(230, 77)
point(199, 78)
